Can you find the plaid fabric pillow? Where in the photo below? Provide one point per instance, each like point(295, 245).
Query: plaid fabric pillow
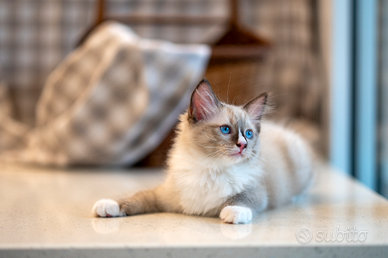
point(113, 99)
point(11, 132)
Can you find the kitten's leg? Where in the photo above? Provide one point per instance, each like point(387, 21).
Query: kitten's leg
point(107, 208)
point(148, 201)
point(141, 202)
point(243, 206)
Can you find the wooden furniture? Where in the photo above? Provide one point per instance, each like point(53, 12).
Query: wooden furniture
point(236, 67)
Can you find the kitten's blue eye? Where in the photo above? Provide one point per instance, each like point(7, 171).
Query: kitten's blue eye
point(249, 134)
point(225, 129)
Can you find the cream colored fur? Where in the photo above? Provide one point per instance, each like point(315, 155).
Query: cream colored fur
point(273, 170)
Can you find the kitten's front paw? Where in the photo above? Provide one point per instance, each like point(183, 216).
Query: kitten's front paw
point(236, 214)
point(107, 208)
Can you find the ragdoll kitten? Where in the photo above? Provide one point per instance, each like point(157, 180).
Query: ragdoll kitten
point(225, 162)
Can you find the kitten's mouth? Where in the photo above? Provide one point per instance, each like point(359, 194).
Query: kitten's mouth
point(237, 154)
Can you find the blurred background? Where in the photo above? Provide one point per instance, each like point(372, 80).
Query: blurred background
point(323, 61)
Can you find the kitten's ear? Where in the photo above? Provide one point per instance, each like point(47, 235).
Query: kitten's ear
point(204, 103)
point(256, 106)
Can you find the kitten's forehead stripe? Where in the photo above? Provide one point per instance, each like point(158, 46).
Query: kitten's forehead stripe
point(235, 136)
point(237, 118)
point(212, 142)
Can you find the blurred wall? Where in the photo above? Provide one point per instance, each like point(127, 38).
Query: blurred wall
point(36, 34)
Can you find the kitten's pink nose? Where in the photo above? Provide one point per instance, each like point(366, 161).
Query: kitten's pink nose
point(241, 145)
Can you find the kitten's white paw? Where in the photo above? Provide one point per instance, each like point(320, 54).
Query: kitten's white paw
point(236, 214)
point(107, 208)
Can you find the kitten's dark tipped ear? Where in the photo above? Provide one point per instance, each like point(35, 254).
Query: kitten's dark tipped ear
point(204, 103)
point(256, 106)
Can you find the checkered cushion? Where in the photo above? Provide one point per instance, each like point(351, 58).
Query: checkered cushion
point(11, 132)
point(113, 99)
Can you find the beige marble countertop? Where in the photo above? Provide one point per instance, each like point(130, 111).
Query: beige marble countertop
point(47, 213)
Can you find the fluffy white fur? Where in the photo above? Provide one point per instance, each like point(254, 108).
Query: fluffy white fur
point(275, 167)
point(205, 183)
point(204, 186)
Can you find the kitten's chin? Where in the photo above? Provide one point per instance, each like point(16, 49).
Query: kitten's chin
point(238, 155)
point(233, 159)
point(225, 160)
